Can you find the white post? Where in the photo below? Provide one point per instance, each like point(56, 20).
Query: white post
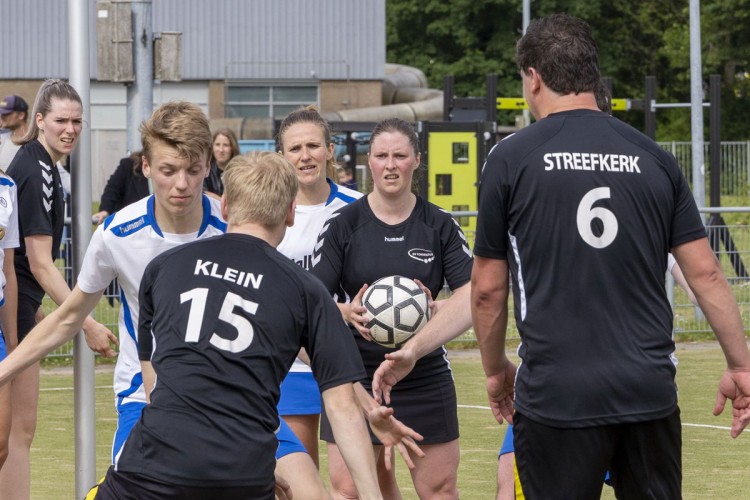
point(526, 20)
point(80, 169)
point(140, 94)
point(696, 105)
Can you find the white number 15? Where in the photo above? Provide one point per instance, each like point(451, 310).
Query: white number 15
point(245, 331)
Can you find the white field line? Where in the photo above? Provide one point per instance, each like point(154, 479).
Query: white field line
point(472, 407)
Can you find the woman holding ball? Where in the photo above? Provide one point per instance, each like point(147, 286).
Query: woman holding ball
point(391, 231)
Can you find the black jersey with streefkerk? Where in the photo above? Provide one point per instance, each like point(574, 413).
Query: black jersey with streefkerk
point(222, 320)
point(357, 248)
point(585, 209)
point(41, 208)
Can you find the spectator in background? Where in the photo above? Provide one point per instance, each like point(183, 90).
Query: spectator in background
point(225, 147)
point(346, 178)
point(14, 119)
point(126, 185)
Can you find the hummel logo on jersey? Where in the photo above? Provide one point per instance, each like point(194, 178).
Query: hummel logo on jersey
point(421, 255)
point(47, 185)
point(388, 240)
point(128, 227)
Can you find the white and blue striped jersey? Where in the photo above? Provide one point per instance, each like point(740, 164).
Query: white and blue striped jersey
point(121, 248)
point(300, 239)
point(8, 223)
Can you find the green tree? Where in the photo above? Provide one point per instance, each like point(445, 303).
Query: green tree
point(472, 38)
point(467, 39)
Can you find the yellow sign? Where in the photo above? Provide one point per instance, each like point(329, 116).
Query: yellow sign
point(620, 104)
point(520, 103)
point(511, 103)
point(453, 169)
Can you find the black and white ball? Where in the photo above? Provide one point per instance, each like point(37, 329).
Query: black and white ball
point(397, 308)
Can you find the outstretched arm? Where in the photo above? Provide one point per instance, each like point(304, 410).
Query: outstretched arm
point(54, 330)
point(489, 312)
point(390, 431)
point(352, 438)
point(453, 317)
point(703, 273)
point(39, 251)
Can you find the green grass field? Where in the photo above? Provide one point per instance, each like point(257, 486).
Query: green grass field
point(714, 465)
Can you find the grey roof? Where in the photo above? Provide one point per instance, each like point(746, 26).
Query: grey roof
point(248, 39)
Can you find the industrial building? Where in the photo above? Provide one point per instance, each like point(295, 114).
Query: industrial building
point(252, 59)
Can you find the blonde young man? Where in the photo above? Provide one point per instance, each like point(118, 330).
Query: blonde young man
point(221, 322)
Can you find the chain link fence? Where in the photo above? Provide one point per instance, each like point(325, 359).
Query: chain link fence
point(731, 244)
point(735, 164)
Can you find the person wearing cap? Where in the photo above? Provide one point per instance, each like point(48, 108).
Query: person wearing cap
point(13, 117)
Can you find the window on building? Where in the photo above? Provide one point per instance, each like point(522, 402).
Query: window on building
point(267, 101)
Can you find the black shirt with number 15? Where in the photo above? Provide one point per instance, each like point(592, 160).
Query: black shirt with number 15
point(222, 320)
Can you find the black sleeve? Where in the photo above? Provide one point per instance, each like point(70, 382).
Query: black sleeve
point(114, 191)
point(457, 258)
point(687, 224)
point(328, 259)
point(492, 231)
point(34, 218)
point(146, 311)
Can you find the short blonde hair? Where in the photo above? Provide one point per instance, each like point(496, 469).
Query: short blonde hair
point(259, 187)
point(181, 125)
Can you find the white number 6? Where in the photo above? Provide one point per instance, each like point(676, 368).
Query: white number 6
point(587, 213)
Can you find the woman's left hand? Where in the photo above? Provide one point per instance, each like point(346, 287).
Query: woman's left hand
point(355, 314)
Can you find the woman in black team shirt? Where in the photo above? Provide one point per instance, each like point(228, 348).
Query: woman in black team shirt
point(56, 122)
point(391, 231)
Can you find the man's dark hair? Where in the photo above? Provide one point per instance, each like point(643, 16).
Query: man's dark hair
point(563, 52)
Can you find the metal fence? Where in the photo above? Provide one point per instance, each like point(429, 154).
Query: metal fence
point(735, 164)
point(732, 246)
point(731, 242)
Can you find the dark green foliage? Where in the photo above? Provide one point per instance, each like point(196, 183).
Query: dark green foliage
point(469, 39)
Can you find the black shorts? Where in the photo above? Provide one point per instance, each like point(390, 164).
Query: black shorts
point(131, 486)
point(644, 459)
point(27, 308)
point(430, 409)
